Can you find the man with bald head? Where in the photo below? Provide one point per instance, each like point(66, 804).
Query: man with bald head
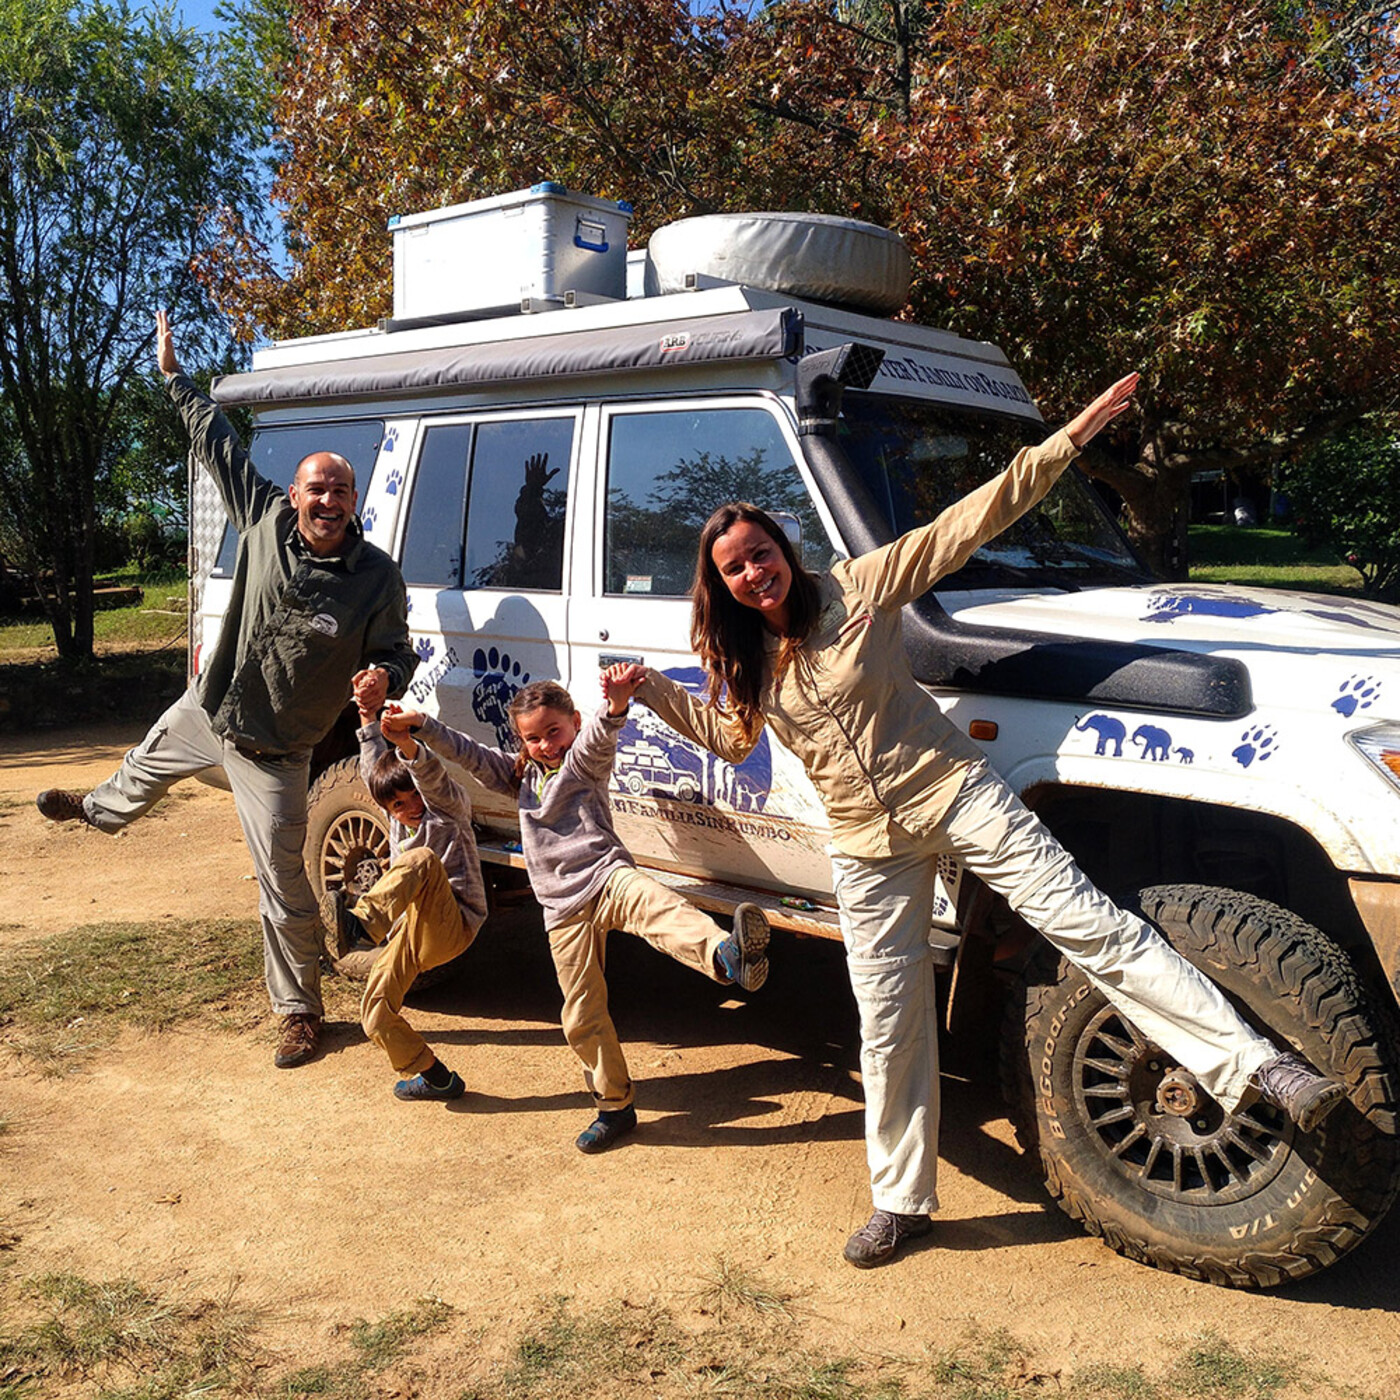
point(315, 609)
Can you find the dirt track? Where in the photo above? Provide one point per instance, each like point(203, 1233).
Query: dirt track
point(189, 1157)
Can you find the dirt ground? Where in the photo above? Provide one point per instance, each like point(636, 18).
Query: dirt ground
point(187, 1157)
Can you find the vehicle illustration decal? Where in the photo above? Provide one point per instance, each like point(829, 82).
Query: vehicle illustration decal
point(1356, 693)
point(498, 677)
point(1110, 731)
point(653, 760)
point(1156, 742)
point(1166, 607)
point(1257, 744)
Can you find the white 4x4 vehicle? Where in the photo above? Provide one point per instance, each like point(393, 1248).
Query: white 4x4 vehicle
point(1229, 758)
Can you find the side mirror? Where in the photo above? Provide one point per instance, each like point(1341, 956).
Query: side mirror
point(792, 527)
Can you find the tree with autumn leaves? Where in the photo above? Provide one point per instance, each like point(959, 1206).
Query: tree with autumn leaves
point(1207, 191)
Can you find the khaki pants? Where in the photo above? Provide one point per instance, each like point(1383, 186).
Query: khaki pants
point(269, 795)
point(415, 894)
point(885, 907)
point(634, 903)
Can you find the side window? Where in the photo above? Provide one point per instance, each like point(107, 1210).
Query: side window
point(667, 472)
point(432, 545)
point(515, 516)
point(275, 453)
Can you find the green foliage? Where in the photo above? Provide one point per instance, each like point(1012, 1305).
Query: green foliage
point(1346, 494)
point(1209, 193)
point(127, 144)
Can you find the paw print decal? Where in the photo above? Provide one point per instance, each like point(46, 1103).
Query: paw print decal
point(424, 648)
point(368, 518)
point(497, 680)
point(1358, 693)
point(393, 482)
point(1258, 744)
point(390, 439)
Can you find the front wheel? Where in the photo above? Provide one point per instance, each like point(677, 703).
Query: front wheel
point(1139, 1154)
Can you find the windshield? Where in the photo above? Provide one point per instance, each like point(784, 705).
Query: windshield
point(917, 458)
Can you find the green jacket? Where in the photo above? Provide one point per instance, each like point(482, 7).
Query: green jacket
point(297, 627)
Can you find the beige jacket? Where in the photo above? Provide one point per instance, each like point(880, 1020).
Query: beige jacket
point(876, 746)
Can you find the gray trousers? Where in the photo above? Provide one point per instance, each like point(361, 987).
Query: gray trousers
point(270, 797)
point(885, 906)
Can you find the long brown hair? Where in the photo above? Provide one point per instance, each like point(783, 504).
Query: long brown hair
point(538, 695)
point(727, 636)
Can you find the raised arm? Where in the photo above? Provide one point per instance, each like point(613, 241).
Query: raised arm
point(899, 572)
point(493, 768)
point(439, 789)
point(246, 495)
point(695, 720)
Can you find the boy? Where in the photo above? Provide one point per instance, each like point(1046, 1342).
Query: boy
point(432, 891)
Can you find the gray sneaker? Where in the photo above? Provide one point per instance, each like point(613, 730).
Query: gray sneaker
point(743, 956)
point(1297, 1089)
point(881, 1237)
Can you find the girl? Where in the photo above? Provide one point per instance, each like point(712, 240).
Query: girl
point(820, 658)
point(584, 877)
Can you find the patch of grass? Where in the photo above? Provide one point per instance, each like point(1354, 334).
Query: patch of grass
point(378, 1345)
point(1215, 1367)
point(381, 1343)
point(983, 1366)
point(1267, 558)
point(128, 1342)
point(1103, 1382)
point(152, 619)
point(728, 1288)
point(65, 996)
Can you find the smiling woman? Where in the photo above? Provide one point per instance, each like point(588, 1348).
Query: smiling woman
point(820, 658)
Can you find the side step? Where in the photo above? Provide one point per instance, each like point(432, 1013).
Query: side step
point(802, 917)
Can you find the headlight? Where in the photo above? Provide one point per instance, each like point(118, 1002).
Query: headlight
point(1380, 746)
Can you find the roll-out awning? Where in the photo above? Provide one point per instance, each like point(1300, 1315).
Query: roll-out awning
point(744, 335)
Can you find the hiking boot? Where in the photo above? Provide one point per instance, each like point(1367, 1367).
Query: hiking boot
point(418, 1088)
point(742, 957)
point(301, 1039)
point(607, 1128)
point(60, 805)
point(1297, 1089)
point(880, 1238)
point(339, 927)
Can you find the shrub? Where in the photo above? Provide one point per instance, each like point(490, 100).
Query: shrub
point(1346, 493)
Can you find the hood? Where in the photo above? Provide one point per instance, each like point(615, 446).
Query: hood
point(1225, 618)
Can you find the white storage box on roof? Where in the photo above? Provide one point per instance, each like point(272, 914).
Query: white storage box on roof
point(487, 256)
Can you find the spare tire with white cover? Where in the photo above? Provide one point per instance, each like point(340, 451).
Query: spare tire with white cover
point(818, 257)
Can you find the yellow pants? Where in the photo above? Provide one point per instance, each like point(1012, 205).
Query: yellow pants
point(634, 903)
point(415, 894)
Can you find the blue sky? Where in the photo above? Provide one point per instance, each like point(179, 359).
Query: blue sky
point(198, 13)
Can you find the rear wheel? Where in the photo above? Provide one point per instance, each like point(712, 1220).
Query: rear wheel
point(1138, 1153)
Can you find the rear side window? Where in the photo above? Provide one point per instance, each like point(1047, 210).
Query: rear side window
point(667, 472)
point(276, 452)
point(488, 505)
point(515, 517)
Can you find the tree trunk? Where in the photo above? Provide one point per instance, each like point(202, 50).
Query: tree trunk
point(1156, 492)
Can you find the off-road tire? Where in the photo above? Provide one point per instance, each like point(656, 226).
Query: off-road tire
point(1242, 1199)
point(347, 844)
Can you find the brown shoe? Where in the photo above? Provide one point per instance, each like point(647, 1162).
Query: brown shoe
point(59, 805)
point(301, 1039)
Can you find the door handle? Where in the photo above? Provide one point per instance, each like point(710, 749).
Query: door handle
point(606, 659)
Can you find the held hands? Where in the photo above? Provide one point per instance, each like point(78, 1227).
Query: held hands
point(1103, 410)
point(397, 727)
point(621, 682)
point(371, 687)
point(165, 346)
